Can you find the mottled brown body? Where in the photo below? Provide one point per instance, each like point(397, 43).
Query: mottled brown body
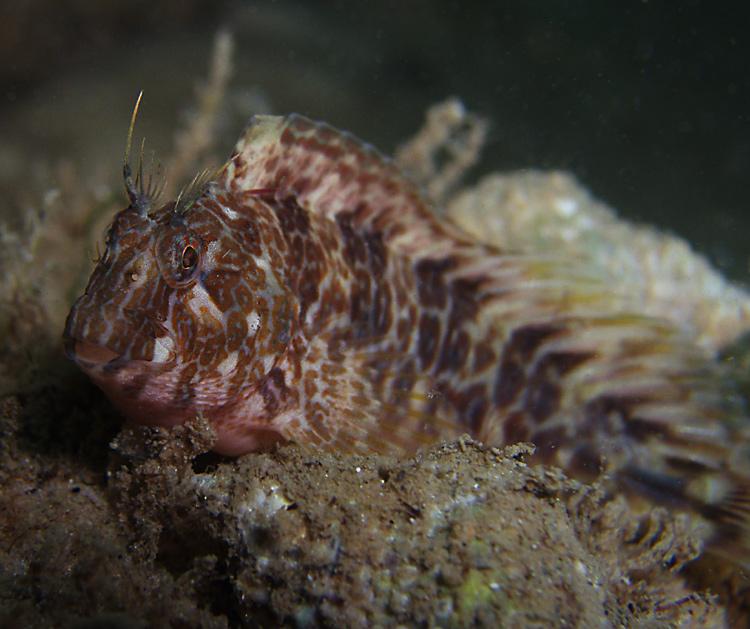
point(309, 294)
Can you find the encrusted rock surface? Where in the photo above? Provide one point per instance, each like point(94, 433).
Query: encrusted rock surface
point(458, 535)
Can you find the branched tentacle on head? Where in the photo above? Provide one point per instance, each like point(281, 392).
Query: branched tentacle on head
point(139, 197)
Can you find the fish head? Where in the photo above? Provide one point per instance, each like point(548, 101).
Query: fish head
point(175, 321)
point(120, 331)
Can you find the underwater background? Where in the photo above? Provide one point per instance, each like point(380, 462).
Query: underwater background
point(646, 103)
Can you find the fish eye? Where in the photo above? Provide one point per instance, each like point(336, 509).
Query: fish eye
point(179, 256)
point(189, 257)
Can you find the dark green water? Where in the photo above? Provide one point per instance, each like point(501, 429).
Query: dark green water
point(647, 103)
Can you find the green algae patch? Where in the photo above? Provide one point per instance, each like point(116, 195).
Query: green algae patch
point(481, 593)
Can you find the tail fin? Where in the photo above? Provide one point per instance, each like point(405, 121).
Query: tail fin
point(720, 497)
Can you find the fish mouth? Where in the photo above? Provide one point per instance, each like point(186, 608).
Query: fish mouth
point(155, 346)
point(89, 355)
point(89, 352)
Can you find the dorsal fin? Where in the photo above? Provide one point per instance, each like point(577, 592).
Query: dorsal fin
point(333, 173)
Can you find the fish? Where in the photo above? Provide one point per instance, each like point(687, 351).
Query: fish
point(308, 292)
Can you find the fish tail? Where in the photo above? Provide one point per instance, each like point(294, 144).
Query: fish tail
point(718, 494)
point(726, 506)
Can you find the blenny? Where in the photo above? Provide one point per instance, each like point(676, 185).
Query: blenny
point(308, 293)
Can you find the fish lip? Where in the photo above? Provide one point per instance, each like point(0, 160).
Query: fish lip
point(90, 355)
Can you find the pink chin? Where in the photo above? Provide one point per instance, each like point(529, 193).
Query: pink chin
point(233, 439)
point(156, 408)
